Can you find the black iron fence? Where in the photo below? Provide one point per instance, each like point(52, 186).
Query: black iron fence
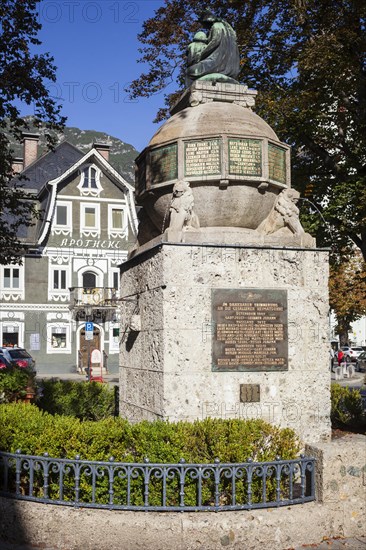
point(157, 487)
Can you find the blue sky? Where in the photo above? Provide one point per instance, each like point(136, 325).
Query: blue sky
point(95, 47)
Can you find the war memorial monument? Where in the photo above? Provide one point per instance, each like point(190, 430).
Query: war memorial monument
point(226, 296)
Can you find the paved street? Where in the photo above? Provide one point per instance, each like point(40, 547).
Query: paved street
point(358, 543)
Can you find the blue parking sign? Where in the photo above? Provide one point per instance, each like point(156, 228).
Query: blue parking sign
point(89, 326)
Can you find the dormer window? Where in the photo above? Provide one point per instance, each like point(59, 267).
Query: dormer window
point(90, 178)
point(90, 181)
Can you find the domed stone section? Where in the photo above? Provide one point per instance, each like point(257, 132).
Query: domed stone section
point(213, 118)
point(215, 162)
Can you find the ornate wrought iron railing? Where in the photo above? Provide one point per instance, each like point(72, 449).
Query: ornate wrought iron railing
point(157, 487)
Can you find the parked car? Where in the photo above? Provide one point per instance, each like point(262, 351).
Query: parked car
point(18, 357)
point(4, 363)
point(361, 362)
point(351, 353)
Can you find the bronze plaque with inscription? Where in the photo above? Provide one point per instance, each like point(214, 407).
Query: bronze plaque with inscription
point(277, 163)
point(164, 163)
point(250, 330)
point(202, 157)
point(250, 393)
point(245, 157)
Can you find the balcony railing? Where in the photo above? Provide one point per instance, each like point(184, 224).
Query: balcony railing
point(98, 296)
point(100, 301)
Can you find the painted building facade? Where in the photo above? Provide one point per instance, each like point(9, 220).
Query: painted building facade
point(70, 272)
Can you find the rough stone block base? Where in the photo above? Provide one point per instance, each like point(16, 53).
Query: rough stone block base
point(166, 364)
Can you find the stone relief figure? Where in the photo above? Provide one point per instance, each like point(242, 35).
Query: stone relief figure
point(284, 214)
point(219, 60)
point(181, 208)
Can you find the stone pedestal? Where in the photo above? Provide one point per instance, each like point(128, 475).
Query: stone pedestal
point(168, 331)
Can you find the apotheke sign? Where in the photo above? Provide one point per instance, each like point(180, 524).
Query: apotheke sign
point(91, 243)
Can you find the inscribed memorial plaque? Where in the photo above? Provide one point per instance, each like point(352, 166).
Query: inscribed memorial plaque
point(202, 157)
point(277, 163)
point(164, 163)
point(250, 393)
point(245, 157)
point(250, 330)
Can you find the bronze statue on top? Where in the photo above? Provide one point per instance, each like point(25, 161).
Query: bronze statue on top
point(219, 59)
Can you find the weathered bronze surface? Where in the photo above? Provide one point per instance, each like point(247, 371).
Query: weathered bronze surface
point(164, 163)
point(202, 157)
point(250, 330)
point(277, 163)
point(245, 157)
point(250, 393)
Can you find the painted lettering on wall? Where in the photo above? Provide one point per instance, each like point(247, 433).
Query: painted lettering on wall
point(91, 243)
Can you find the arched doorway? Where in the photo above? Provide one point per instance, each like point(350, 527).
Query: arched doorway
point(87, 346)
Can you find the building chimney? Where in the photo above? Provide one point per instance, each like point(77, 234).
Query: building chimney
point(102, 148)
point(17, 165)
point(30, 148)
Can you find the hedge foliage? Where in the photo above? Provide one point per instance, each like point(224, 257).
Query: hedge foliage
point(25, 427)
point(14, 383)
point(86, 401)
point(346, 405)
point(36, 432)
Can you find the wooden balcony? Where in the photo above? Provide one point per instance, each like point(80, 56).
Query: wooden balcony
point(93, 304)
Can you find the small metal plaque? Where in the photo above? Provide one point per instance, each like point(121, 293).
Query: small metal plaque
point(277, 163)
point(245, 157)
point(202, 157)
point(250, 393)
point(250, 330)
point(164, 163)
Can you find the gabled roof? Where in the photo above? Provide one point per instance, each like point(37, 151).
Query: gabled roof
point(51, 165)
point(50, 187)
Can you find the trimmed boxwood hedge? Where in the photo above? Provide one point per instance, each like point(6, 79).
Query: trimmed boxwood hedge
point(35, 432)
point(25, 427)
point(83, 400)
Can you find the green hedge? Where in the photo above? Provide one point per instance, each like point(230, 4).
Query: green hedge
point(346, 405)
point(36, 432)
point(83, 400)
point(25, 427)
point(14, 383)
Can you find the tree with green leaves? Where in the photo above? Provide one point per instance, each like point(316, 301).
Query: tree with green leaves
point(23, 78)
point(307, 58)
point(347, 294)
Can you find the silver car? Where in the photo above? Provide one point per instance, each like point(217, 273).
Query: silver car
point(352, 353)
point(361, 362)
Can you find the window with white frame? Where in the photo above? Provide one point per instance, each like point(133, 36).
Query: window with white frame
point(117, 220)
point(12, 281)
point(10, 335)
point(11, 277)
point(90, 180)
point(114, 278)
point(59, 279)
point(90, 219)
point(113, 337)
point(58, 338)
point(58, 282)
point(63, 217)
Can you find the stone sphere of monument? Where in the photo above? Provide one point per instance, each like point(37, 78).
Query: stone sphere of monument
point(233, 160)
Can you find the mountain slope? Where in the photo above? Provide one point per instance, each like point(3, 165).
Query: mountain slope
point(122, 154)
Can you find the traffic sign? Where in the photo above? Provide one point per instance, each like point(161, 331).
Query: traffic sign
point(88, 335)
point(89, 326)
